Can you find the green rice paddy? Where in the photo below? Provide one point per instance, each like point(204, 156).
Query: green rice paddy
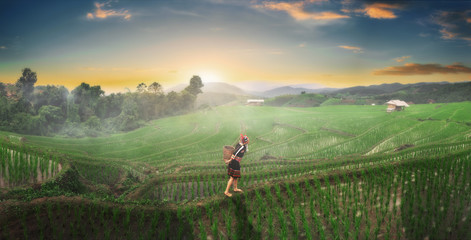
point(331, 172)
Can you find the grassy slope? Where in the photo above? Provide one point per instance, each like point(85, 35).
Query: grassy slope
point(186, 150)
point(200, 136)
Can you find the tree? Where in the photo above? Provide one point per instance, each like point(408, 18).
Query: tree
point(155, 88)
point(26, 83)
point(141, 87)
point(3, 91)
point(50, 119)
point(195, 85)
point(87, 99)
point(128, 119)
point(173, 103)
point(50, 95)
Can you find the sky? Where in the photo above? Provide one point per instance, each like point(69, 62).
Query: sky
point(255, 44)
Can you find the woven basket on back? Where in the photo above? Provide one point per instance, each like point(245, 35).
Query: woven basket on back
point(227, 153)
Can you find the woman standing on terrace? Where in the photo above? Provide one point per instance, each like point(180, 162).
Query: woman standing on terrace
point(233, 168)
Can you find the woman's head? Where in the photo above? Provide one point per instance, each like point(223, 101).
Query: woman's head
point(244, 139)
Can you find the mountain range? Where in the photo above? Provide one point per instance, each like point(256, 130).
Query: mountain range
point(219, 93)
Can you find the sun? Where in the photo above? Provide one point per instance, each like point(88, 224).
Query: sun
point(207, 76)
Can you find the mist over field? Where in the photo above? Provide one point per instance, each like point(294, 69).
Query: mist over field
point(117, 119)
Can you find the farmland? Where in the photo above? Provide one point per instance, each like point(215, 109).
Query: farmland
point(332, 172)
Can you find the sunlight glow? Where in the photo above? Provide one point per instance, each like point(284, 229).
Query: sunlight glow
point(210, 76)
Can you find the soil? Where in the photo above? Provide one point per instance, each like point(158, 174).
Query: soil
point(402, 147)
point(268, 157)
point(338, 132)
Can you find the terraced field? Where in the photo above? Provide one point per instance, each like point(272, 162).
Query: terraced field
point(336, 172)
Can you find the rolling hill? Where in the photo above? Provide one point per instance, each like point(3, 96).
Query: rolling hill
point(334, 172)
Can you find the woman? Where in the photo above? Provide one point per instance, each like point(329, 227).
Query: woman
point(233, 168)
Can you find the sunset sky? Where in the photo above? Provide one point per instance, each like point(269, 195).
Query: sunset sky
point(119, 44)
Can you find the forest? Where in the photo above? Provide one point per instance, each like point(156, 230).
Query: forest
point(86, 110)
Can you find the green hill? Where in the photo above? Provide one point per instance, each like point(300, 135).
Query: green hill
point(329, 171)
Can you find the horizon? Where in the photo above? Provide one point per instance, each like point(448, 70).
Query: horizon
point(332, 44)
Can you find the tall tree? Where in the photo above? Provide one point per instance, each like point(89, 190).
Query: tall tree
point(50, 95)
point(26, 83)
point(155, 88)
point(195, 85)
point(141, 87)
point(3, 91)
point(87, 99)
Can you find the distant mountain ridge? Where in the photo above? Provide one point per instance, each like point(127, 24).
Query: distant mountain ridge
point(288, 90)
point(418, 93)
point(384, 88)
point(213, 87)
point(219, 93)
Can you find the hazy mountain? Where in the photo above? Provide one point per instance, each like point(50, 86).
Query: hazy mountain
point(213, 87)
point(419, 93)
point(289, 90)
point(384, 88)
point(220, 87)
point(218, 93)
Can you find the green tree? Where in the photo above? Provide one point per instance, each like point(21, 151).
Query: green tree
point(128, 119)
point(26, 82)
point(50, 119)
point(173, 103)
point(155, 88)
point(141, 88)
point(93, 123)
point(50, 95)
point(3, 91)
point(87, 98)
point(110, 106)
point(195, 85)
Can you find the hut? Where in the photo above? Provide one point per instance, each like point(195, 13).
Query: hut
point(255, 102)
point(396, 105)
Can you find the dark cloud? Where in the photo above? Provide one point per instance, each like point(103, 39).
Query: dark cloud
point(423, 69)
point(454, 25)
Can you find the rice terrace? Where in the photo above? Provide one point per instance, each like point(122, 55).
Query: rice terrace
point(334, 172)
point(235, 119)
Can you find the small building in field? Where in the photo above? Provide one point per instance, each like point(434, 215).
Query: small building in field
point(255, 102)
point(396, 105)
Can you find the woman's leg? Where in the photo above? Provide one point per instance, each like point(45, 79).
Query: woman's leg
point(235, 185)
point(229, 183)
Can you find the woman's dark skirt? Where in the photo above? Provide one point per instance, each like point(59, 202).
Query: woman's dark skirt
point(233, 169)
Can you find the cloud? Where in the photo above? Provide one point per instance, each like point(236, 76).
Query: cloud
point(379, 10)
point(301, 45)
point(401, 59)
point(354, 49)
point(297, 10)
point(423, 69)
point(3, 47)
point(454, 25)
point(100, 13)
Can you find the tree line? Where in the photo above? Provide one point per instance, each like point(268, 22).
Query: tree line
point(86, 110)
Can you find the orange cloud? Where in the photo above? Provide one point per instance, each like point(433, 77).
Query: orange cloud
point(380, 10)
point(423, 69)
point(454, 25)
point(354, 49)
point(101, 13)
point(297, 11)
point(401, 59)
